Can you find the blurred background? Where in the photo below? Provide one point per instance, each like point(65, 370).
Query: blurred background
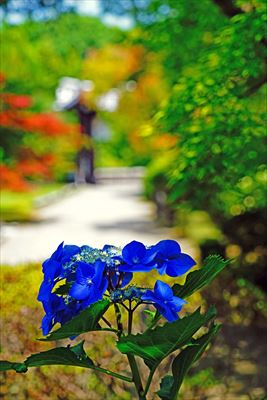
point(135, 119)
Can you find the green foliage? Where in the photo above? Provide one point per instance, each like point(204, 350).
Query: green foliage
point(192, 24)
point(220, 155)
point(48, 50)
point(170, 385)
point(215, 110)
point(86, 321)
point(59, 356)
point(75, 356)
point(195, 280)
point(155, 345)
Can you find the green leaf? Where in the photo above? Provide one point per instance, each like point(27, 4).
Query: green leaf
point(86, 321)
point(7, 365)
point(154, 345)
point(212, 266)
point(182, 363)
point(74, 356)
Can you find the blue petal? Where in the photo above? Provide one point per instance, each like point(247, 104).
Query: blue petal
point(57, 303)
point(150, 255)
point(58, 253)
point(46, 307)
point(80, 292)
point(180, 265)
point(103, 285)
point(51, 269)
point(149, 296)
point(170, 315)
point(163, 291)
point(185, 259)
point(99, 267)
point(126, 279)
point(176, 304)
point(133, 252)
point(68, 252)
point(94, 296)
point(169, 248)
point(84, 271)
point(162, 268)
point(86, 248)
point(167, 313)
point(108, 247)
point(115, 276)
point(47, 324)
point(69, 312)
point(136, 267)
point(45, 291)
point(53, 304)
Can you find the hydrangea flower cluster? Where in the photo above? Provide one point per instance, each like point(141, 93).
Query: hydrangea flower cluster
point(76, 277)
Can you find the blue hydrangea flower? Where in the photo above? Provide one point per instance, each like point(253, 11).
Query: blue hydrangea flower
point(137, 258)
point(53, 306)
point(52, 267)
point(71, 309)
point(57, 310)
point(170, 260)
point(164, 300)
point(45, 290)
point(90, 283)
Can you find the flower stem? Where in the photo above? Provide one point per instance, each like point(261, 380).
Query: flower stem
point(133, 364)
point(149, 380)
point(106, 322)
point(115, 374)
point(130, 318)
point(118, 318)
point(136, 377)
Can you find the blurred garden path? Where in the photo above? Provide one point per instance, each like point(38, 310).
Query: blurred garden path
point(111, 212)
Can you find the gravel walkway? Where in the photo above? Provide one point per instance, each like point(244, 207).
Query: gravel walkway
point(111, 213)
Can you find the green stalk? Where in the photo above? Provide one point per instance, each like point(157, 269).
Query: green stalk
point(132, 362)
point(130, 318)
point(115, 374)
point(136, 377)
point(149, 380)
point(118, 319)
